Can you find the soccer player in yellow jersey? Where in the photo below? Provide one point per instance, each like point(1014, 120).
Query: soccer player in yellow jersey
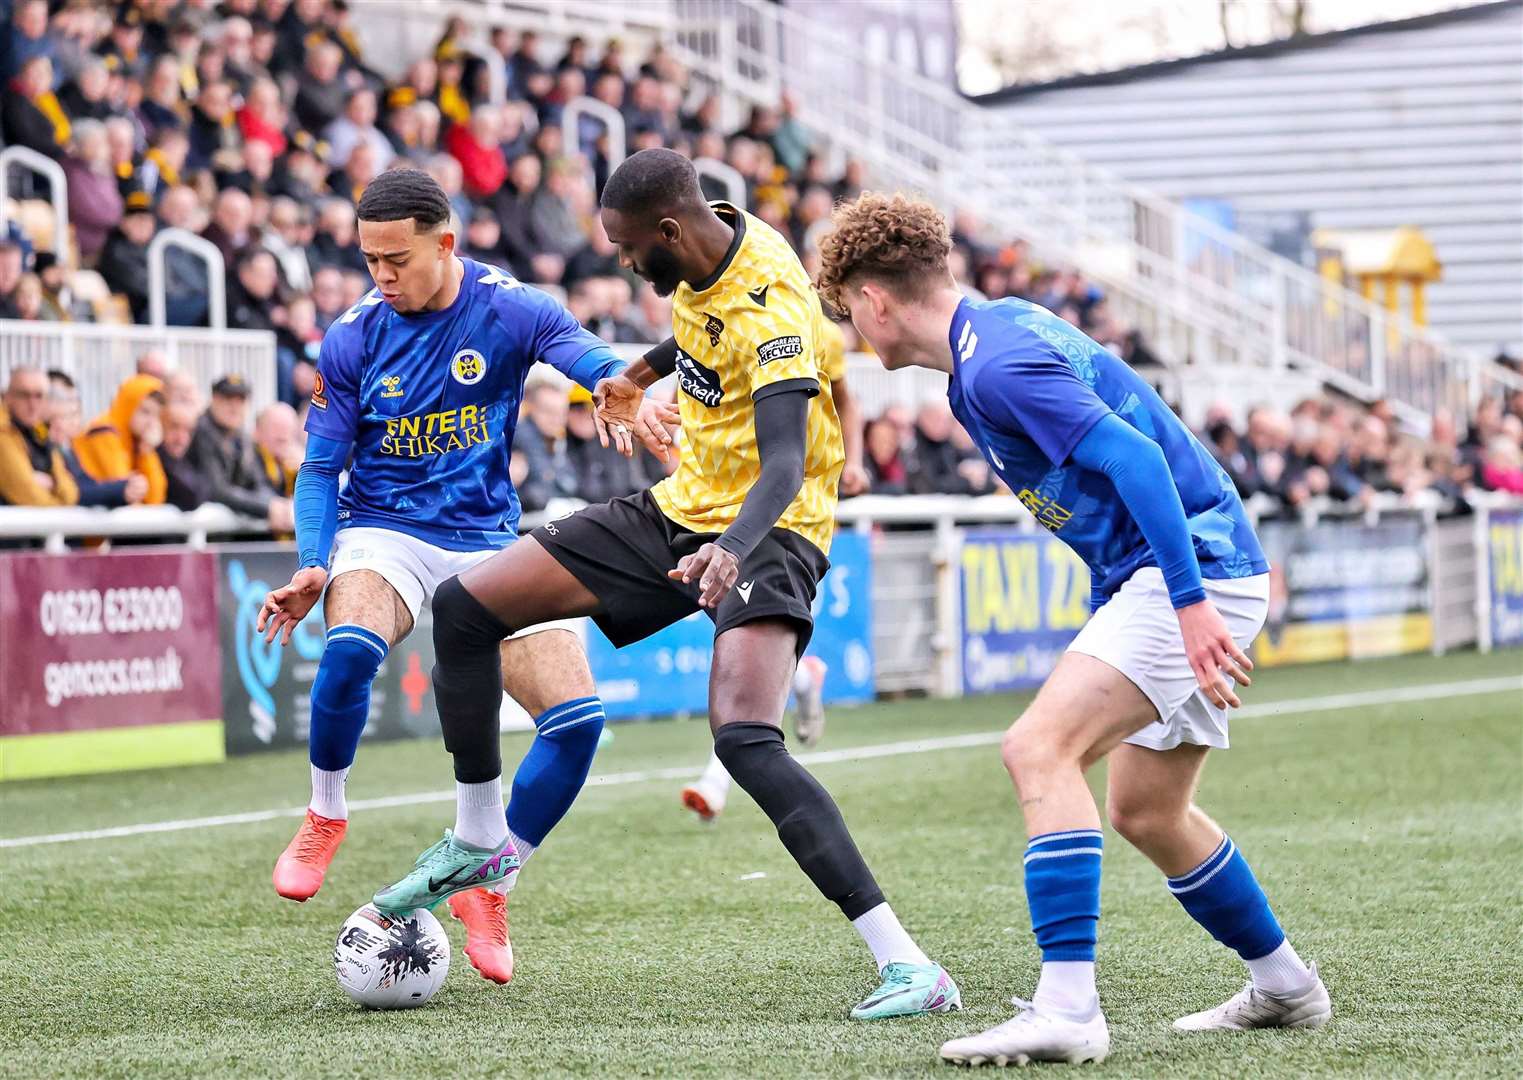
point(740, 531)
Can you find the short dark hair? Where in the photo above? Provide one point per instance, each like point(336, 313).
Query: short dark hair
point(405, 193)
point(59, 376)
point(657, 182)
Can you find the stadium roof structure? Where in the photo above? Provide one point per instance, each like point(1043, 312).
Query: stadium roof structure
point(1270, 48)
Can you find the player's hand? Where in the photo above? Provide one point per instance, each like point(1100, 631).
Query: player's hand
point(287, 606)
point(715, 570)
point(616, 412)
point(657, 427)
point(1214, 656)
point(854, 481)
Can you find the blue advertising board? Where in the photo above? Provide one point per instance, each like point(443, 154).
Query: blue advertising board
point(1024, 597)
point(1505, 540)
point(668, 672)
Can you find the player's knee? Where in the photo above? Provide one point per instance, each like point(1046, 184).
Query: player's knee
point(462, 624)
point(1028, 752)
point(741, 747)
point(1140, 821)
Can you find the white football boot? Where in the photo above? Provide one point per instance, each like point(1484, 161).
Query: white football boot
point(1033, 1036)
point(1252, 1008)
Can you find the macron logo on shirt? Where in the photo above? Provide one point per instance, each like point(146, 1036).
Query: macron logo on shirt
point(967, 341)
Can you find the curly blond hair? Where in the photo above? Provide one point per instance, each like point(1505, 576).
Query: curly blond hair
point(896, 241)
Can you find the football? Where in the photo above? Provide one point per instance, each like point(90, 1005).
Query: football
point(391, 962)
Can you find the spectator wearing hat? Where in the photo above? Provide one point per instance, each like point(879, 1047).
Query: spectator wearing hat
point(122, 52)
point(602, 473)
point(124, 257)
point(32, 472)
point(122, 444)
point(31, 112)
point(220, 452)
point(95, 202)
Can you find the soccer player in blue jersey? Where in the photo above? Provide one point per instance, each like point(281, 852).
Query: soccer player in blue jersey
point(1180, 588)
point(420, 382)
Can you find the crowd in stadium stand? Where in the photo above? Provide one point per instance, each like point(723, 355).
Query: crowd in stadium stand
point(257, 123)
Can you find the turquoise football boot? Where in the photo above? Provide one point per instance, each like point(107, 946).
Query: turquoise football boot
point(449, 867)
point(910, 990)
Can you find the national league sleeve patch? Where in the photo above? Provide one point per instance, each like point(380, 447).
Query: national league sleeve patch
point(780, 348)
point(319, 397)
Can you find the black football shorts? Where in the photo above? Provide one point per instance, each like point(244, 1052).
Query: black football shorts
point(621, 551)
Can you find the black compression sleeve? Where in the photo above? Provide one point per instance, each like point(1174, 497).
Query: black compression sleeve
point(663, 358)
point(781, 423)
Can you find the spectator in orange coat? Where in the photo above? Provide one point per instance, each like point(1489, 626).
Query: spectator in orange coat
point(124, 441)
point(32, 472)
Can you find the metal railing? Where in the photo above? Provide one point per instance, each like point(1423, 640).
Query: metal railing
point(611, 119)
point(726, 176)
point(158, 278)
point(58, 191)
point(100, 357)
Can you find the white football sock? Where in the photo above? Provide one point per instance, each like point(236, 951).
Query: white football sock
point(1067, 988)
point(1280, 972)
point(524, 849)
point(887, 939)
point(716, 777)
point(479, 816)
point(328, 793)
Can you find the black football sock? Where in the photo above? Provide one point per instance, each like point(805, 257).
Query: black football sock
point(806, 817)
point(468, 681)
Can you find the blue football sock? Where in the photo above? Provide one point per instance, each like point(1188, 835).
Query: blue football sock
point(1063, 893)
point(1223, 896)
point(341, 694)
point(555, 768)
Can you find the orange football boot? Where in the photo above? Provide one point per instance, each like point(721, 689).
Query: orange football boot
point(701, 802)
point(299, 870)
point(485, 915)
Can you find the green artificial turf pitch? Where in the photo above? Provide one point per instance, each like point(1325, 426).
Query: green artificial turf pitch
point(1387, 837)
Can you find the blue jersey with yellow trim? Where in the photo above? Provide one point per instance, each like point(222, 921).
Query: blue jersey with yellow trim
point(1028, 386)
point(430, 403)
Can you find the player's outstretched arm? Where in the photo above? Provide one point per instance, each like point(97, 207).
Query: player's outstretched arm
point(316, 514)
point(1137, 468)
point(782, 421)
point(621, 412)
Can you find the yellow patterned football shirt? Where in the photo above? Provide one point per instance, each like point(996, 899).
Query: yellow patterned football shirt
point(752, 327)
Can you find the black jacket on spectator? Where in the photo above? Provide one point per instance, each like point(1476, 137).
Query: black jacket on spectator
point(124, 265)
point(80, 107)
point(933, 468)
point(248, 312)
point(551, 475)
point(602, 473)
point(324, 251)
point(224, 460)
point(319, 104)
point(26, 125)
point(188, 489)
point(587, 263)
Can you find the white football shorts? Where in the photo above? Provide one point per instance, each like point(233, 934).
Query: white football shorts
point(413, 567)
point(1137, 633)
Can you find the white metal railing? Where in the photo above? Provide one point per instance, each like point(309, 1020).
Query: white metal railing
point(158, 284)
point(611, 119)
point(725, 175)
point(58, 191)
point(99, 357)
point(1214, 296)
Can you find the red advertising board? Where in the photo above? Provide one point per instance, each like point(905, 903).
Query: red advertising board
point(98, 641)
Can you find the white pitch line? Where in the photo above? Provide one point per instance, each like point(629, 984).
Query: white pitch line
point(1326, 703)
